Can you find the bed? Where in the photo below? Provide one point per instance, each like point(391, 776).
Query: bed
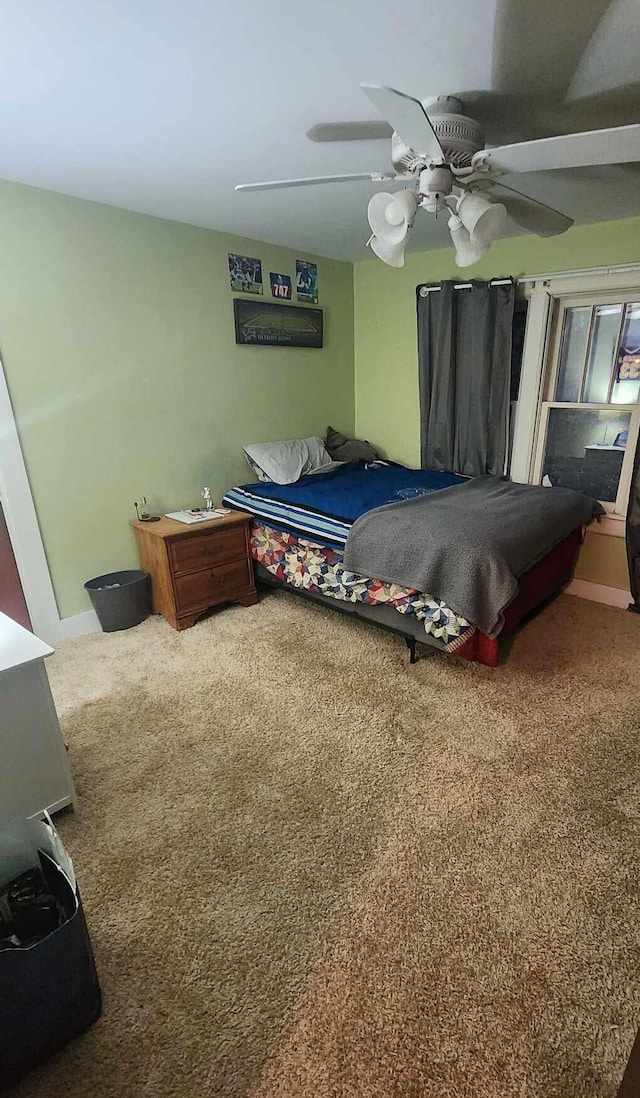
point(301, 531)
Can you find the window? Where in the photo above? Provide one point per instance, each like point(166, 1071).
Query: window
point(589, 412)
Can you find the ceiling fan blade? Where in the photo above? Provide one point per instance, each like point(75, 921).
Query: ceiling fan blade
point(530, 214)
point(350, 131)
point(408, 118)
point(611, 59)
point(620, 145)
point(310, 181)
point(537, 46)
point(506, 119)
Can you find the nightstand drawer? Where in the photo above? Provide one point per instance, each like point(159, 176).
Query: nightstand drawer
point(221, 584)
point(210, 548)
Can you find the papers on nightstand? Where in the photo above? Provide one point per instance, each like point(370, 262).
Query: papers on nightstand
point(190, 517)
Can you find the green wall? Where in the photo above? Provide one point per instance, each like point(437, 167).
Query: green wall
point(117, 338)
point(386, 376)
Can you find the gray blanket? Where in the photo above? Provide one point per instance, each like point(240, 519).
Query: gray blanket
point(467, 545)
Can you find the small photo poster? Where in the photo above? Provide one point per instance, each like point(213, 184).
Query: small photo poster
point(280, 286)
point(307, 281)
point(628, 367)
point(245, 274)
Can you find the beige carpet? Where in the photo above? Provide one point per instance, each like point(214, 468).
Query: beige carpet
point(312, 870)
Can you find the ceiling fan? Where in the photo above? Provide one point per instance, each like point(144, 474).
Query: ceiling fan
point(441, 153)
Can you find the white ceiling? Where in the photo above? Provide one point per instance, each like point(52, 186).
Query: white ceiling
point(163, 105)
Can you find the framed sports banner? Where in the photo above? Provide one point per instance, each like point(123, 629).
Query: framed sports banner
point(267, 324)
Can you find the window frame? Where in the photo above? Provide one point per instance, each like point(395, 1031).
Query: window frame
point(551, 358)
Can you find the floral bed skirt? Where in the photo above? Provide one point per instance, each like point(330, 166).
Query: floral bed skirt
point(318, 569)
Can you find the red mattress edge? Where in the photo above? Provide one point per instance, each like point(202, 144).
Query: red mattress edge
point(534, 587)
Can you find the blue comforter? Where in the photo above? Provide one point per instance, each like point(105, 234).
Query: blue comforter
point(326, 505)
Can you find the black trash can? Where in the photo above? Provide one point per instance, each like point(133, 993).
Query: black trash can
point(120, 599)
point(50, 989)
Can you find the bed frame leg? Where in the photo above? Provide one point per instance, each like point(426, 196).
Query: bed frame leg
point(411, 645)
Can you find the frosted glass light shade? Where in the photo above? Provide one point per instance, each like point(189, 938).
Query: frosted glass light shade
point(392, 254)
point(484, 221)
point(391, 215)
point(468, 251)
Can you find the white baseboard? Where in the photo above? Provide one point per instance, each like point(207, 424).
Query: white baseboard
point(599, 592)
point(79, 624)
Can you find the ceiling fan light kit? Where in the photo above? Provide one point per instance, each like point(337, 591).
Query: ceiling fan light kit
point(441, 151)
point(474, 222)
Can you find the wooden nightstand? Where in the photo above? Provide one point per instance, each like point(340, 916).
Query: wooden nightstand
point(193, 568)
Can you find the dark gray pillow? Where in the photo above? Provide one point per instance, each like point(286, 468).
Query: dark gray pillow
point(342, 448)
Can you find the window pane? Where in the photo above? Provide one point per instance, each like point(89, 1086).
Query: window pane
point(604, 339)
point(585, 449)
point(572, 355)
point(627, 386)
point(518, 328)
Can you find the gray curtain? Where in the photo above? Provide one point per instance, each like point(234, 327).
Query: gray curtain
point(464, 359)
point(633, 533)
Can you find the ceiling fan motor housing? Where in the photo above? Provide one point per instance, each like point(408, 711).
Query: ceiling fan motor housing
point(460, 137)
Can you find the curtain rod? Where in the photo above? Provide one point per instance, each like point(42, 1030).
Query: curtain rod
point(425, 290)
point(584, 272)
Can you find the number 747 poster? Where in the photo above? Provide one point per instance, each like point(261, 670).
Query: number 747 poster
point(280, 285)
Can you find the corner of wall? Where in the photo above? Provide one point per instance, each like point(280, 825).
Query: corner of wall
point(78, 625)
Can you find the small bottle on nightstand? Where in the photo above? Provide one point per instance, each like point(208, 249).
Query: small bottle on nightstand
point(143, 512)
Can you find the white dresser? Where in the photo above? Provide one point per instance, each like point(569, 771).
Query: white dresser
point(34, 768)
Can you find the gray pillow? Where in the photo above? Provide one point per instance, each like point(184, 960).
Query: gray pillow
point(286, 461)
point(342, 448)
